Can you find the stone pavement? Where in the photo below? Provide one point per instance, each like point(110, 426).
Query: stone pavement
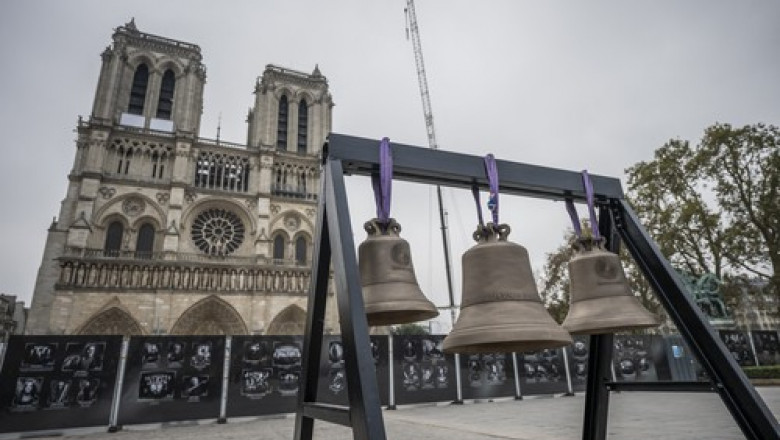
point(633, 415)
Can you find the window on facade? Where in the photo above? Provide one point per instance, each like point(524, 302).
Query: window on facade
point(303, 126)
point(281, 128)
point(279, 248)
point(114, 238)
point(217, 232)
point(138, 90)
point(158, 165)
point(300, 250)
point(145, 244)
point(165, 103)
point(124, 155)
point(222, 171)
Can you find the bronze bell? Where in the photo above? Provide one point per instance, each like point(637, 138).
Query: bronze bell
point(601, 298)
point(501, 310)
point(390, 290)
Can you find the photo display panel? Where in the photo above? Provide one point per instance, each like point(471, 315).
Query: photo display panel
point(421, 370)
point(332, 386)
point(55, 382)
point(767, 347)
point(487, 375)
point(640, 358)
point(577, 354)
point(265, 374)
point(542, 372)
point(172, 378)
point(738, 344)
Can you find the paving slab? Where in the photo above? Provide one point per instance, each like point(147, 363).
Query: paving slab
point(632, 415)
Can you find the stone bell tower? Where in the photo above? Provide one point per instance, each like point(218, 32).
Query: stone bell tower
point(164, 232)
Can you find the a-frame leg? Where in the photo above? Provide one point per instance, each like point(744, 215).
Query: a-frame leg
point(335, 243)
point(740, 397)
point(594, 426)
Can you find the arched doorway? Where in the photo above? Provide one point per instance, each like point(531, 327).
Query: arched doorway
point(113, 321)
point(290, 321)
point(210, 316)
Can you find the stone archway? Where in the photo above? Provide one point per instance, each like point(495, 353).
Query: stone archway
point(210, 316)
point(112, 321)
point(290, 321)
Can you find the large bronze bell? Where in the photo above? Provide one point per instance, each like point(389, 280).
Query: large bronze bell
point(501, 310)
point(601, 298)
point(390, 290)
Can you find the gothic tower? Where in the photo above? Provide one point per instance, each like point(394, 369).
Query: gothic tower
point(164, 232)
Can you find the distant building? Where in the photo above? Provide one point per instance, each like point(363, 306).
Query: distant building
point(13, 316)
point(164, 232)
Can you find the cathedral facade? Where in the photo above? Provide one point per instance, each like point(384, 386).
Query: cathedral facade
point(164, 232)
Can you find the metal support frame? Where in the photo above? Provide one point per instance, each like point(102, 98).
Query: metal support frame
point(344, 155)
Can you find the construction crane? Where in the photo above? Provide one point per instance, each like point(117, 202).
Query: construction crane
point(413, 30)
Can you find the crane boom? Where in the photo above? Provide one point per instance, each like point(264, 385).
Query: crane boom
point(413, 29)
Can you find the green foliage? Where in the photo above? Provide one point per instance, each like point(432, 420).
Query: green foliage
point(715, 207)
point(763, 372)
point(410, 329)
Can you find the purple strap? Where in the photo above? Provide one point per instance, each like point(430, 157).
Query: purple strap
point(575, 219)
point(382, 183)
point(492, 174)
point(591, 208)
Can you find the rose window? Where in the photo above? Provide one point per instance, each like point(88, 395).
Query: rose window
point(217, 232)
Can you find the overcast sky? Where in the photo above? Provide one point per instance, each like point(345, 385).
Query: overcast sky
point(595, 85)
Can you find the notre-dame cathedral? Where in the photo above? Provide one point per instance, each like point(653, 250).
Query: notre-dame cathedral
point(164, 232)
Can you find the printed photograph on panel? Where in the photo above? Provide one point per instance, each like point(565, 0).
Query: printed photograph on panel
point(156, 385)
point(175, 354)
point(579, 361)
point(256, 384)
point(441, 375)
point(289, 380)
point(201, 357)
point(409, 350)
point(87, 392)
point(286, 354)
point(737, 343)
point(38, 357)
point(84, 357)
point(60, 395)
point(336, 354)
point(412, 378)
point(150, 355)
point(27, 394)
point(256, 353)
point(195, 387)
point(432, 350)
point(337, 380)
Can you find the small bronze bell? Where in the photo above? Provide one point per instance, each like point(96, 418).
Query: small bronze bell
point(390, 290)
point(501, 310)
point(601, 298)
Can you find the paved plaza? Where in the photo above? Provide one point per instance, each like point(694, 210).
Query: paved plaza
point(633, 415)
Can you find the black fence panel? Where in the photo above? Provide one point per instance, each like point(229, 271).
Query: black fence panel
point(172, 378)
point(332, 386)
point(542, 372)
point(487, 375)
point(421, 370)
point(265, 375)
point(54, 382)
point(767, 347)
point(738, 344)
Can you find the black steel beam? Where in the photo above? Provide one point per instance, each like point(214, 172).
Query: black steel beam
point(739, 396)
point(330, 413)
point(315, 319)
point(361, 156)
point(662, 386)
point(362, 388)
